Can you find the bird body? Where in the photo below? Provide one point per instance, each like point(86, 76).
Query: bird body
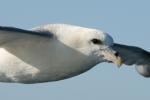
point(54, 52)
point(40, 61)
point(29, 58)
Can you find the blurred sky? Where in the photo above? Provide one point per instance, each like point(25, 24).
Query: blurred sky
point(127, 21)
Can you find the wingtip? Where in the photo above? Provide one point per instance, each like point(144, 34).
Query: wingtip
point(143, 70)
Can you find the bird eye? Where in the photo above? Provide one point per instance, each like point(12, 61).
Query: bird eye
point(96, 41)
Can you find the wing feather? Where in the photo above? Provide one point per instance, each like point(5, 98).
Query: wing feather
point(9, 34)
point(132, 55)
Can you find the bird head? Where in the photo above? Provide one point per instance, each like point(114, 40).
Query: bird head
point(95, 44)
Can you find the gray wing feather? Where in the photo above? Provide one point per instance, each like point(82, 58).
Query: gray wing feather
point(8, 34)
point(134, 55)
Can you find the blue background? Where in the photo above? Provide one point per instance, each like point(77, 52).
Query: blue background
point(127, 21)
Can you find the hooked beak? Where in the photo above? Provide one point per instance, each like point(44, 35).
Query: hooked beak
point(112, 56)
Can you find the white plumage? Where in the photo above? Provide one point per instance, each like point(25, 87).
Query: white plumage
point(58, 51)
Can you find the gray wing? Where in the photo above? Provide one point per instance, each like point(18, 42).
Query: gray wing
point(134, 55)
point(9, 34)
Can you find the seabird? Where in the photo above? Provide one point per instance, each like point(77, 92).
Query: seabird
point(59, 51)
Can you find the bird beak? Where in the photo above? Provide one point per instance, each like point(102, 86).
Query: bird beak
point(118, 61)
point(112, 56)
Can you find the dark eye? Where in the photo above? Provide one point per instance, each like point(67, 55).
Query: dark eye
point(96, 41)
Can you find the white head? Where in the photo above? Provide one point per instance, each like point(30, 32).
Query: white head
point(90, 42)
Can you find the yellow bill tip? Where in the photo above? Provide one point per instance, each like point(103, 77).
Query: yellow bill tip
point(119, 62)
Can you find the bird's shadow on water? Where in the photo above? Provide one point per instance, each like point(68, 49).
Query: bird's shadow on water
point(45, 53)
